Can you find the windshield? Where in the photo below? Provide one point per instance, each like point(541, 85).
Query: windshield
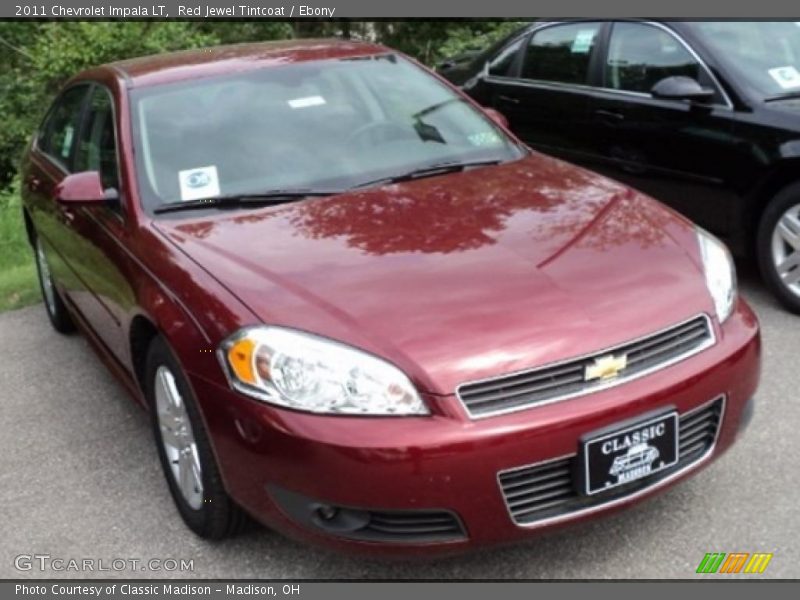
point(765, 55)
point(331, 125)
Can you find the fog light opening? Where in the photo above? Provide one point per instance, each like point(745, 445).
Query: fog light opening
point(327, 513)
point(337, 518)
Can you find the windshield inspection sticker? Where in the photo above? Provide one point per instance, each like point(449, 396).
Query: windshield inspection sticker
point(307, 101)
point(583, 41)
point(786, 77)
point(201, 182)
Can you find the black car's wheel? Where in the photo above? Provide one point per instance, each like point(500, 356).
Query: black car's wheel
point(184, 449)
point(779, 246)
point(56, 311)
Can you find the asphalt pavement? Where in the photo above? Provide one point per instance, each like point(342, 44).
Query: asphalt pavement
point(79, 478)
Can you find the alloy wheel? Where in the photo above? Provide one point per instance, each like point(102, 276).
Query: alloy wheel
point(178, 438)
point(786, 249)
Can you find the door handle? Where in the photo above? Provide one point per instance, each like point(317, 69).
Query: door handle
point(609, 115)
point(67, 213)
point(508, 99)
point(33, 183)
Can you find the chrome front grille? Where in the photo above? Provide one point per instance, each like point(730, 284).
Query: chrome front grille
point(549, 490)
point(518, 391)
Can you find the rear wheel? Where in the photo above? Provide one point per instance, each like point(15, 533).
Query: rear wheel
point(779, 247)
point(185, 451)
point(56, 311)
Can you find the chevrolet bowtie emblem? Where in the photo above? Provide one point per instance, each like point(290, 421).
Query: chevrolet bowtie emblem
point(605, 367)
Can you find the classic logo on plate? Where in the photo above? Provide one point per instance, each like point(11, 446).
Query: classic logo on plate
point(636, 462)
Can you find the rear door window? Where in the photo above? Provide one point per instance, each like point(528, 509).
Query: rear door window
point(57, 135)
point(561, 53)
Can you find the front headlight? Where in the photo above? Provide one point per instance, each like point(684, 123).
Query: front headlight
point(720, 273)
point(306, 372)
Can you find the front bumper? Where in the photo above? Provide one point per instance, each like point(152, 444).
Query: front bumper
point(447, 463)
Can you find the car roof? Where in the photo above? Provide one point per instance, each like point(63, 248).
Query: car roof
point(205, 62)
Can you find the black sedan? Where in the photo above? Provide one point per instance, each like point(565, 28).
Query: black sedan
point(704, 116)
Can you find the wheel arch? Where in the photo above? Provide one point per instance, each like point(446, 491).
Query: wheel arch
point(30, 231)
point(170, 322)
point(140, 335)
point(785, 173)
point(161, 313)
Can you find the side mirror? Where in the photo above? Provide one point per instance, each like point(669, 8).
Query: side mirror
point(83, 188)
point(681, 88)
point(496, 116)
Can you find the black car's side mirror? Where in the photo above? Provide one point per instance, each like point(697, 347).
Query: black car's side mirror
point(681, 88)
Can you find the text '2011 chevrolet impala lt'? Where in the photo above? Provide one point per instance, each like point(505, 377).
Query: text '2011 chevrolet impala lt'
point(360, 311)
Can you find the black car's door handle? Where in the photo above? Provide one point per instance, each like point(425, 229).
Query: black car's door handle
point(508, 99)
point(609, 115)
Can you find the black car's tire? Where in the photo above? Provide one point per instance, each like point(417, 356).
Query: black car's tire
point(53, 304)
point(206, 509)
point(773, 251)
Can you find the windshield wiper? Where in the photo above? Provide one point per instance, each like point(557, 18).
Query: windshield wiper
point(429, 171)
point(269, 198)
point(784, 96)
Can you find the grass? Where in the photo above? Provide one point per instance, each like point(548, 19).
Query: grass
point(18, 285)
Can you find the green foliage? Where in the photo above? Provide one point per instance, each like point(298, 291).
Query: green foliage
point(18, 285)
point(464, 40)
point(63, 48)
point(236, 32)
point(431, 41)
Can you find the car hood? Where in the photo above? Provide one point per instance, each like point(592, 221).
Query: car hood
point(465, 276)
point(783, 113)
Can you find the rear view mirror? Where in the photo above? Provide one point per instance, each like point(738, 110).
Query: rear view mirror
point(83, 188)
point(496, 116)
point(681, 88)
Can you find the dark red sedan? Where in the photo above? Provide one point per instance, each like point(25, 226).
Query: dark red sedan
point(362, 312)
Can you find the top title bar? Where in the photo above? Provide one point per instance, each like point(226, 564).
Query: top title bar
point(370, 9)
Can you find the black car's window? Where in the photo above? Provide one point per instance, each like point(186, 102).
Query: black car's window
point(97, 145)
point(57, 135)
point(561, 53)
point(500, 66)
point(763, 55)
point(641, 55)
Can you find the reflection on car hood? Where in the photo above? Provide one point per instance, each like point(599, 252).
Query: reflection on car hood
point(463, 276)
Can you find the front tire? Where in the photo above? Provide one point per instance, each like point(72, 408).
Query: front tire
point(53, 304)
point(185, 451)
point(778, 247)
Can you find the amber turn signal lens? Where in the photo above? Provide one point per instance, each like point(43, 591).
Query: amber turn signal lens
point(240, 359)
